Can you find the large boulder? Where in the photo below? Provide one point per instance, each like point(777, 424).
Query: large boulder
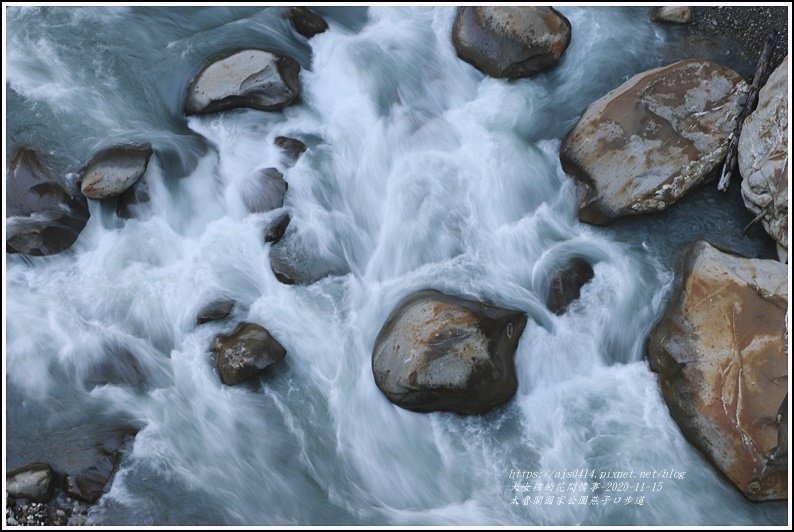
point(644, 144)
point(245, 352)
point(763, 157)
point(441, 352)
point(42, 217)
point(256, 79)
point(32, 481)
point(510, 42)
point(112, 171)
point(672, 14)
point(306, 22)
point(566, 284)
point(720, 352)
point(264, 190)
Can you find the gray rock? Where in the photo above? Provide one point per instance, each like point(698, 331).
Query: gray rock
point(114, 170)
point(646, 143)
point(276, 229)
point(720, 351)
point(42, 217)
point(672, 14)
point(119, 367)
point(245, 352)
point(437, 352)
point(566, 285)
point(217, 310)
point(264, 190)
point(251, 78)
point(291, 148)
point(306, 22)
point(763, 158)
point(295, 260)
point(33, 481)
point(133, 199)
point(510, 42)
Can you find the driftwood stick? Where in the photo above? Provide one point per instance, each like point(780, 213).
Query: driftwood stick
point(731, 159)
point(757, 218)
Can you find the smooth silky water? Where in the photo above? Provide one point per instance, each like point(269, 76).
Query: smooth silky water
point(420, 173)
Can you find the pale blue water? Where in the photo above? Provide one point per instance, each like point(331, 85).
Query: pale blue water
point(421, 172)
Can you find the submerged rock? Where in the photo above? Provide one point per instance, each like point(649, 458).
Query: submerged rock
point(33, 481)
point(91, 482)
point(763, 158)
point(276, 229)
point(566, 285)
point(306, 22)
point(510, 42)
point(42, 217)
point(132, 199)
point(264, 190)
point(296, 261)
point(672, 14)
point(646, 143)
point(245, 352)
point(441, 352)
point(251, 78)
point(112, 171)
point(291, 148)
point(217, 310)
point(119, 367)
point(720, 352)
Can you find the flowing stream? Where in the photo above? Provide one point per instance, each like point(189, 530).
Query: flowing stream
point(420, 173)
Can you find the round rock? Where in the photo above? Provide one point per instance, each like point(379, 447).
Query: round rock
point(114, 170)
point(510, 42)
point(256, 79)
point(245, 352)
point(438, 352)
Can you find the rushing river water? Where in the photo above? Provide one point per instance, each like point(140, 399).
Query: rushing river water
point(420, 173)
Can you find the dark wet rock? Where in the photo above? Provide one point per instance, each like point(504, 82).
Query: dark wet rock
point(292, 149)
point(112, 171)
point(306, 22)
point(720, 351)
point(245, 352)
point(89, 483)
point(297, 261)
point(32, 481)
point(643, 145)
point(217, 310)
point(672, 14)
point(264, 190)
point(42, 217)
point(437, 352)
point(251, 78)
point(510, 42)
point(276, 229)
point(567, 283)
point(763, 158)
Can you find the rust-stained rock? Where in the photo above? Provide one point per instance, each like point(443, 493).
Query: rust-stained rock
point(510, 42)
point(672, 14)
point(251, 78)
point(42, 218)
point(644, 144)
point(763, 157)
point(441, 352)
point(246, 351)
point(720, 352)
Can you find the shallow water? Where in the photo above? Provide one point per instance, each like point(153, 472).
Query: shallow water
point(420, 173)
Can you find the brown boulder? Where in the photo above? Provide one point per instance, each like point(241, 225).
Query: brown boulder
point(720, 352)
point(306, 22)
point(437, 352)
point(510, 42)
point(245, 352)
point(644, 144)
point(114, 170)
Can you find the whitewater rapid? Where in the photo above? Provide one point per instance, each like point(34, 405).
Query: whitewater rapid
point(420, 173)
